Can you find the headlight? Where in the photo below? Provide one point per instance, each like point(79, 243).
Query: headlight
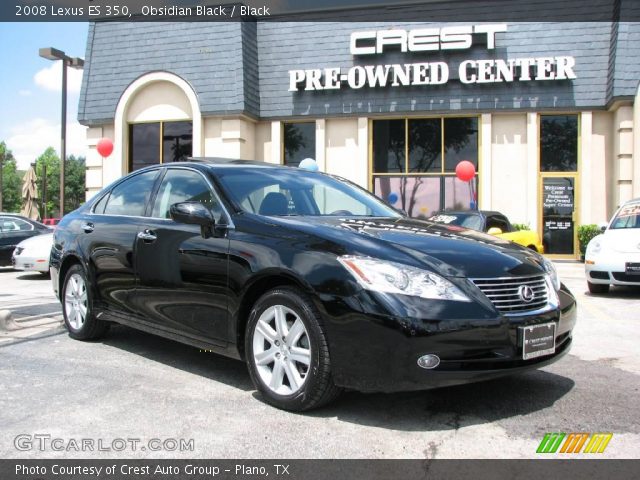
point(594, 247)
point(550, 268)
point(17, 251)
point(391, 277)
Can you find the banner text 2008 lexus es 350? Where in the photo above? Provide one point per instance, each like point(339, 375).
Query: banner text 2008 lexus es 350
point(317, 284)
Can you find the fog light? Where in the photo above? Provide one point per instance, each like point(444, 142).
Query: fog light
point(429, 361)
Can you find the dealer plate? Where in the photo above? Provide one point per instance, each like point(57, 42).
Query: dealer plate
point(632, 268)
point(538, 340)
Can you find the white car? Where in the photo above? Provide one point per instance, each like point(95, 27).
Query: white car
point(613, 258)
point(32, 254)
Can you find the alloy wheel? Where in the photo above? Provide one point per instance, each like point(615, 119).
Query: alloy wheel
point(281, 350)
point(75, 301)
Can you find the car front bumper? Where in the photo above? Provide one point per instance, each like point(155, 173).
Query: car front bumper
point(609, 269)
point(379, 353)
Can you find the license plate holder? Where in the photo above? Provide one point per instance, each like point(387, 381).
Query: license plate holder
point(538, 340)
point(632, 268)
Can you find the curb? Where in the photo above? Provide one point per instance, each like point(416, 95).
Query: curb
point(6, 321)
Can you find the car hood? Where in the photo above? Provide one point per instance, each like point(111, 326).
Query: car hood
point(446, 249)
point(623, 240)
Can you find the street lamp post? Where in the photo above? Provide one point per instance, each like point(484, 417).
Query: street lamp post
point(74, 62)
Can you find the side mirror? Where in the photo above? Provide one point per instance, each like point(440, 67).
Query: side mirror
point(193, 213)
point(494, 231)
point(602, 226)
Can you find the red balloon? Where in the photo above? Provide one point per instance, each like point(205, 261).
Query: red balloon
point(105, 147)
point(465, 170)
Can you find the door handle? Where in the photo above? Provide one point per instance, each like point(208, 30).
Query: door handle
point(147, 236)
point(88, 227)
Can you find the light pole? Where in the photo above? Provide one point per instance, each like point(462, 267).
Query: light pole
point(54, 54)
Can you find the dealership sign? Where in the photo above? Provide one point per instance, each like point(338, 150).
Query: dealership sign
point(424, 40)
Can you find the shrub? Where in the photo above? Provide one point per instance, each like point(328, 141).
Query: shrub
point(521, 226)
point(585, 234)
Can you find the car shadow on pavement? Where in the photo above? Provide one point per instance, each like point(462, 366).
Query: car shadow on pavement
point(452, 407)
point(178, 355)
point(33, 276)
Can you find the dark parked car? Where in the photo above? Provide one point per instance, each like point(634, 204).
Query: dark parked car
point(314, 282)
point(13, 230)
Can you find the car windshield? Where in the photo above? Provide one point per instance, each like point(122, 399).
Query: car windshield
point(284, 191)
point(466, 220)
point(628, 217)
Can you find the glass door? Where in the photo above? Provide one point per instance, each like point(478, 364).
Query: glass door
point(558, 215)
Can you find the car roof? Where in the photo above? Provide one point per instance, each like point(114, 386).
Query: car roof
point(17, 215)
point(486, 213)
point(218, 162)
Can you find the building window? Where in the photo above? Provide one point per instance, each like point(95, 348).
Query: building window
point(159, 142)
point(299, 142)
point(558, 143)
point(414, 162)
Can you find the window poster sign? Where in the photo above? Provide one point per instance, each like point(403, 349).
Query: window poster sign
point(558, 204)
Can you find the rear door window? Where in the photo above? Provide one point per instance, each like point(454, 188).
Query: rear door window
point(131, 196)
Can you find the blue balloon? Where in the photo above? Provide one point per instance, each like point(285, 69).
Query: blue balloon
point(309, 164)
point(392, 198)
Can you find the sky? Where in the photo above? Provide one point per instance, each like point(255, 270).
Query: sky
point(30, 89)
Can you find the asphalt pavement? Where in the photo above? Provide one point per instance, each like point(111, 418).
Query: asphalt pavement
point(175, 401)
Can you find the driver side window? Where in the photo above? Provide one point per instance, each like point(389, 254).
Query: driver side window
point(184, 186)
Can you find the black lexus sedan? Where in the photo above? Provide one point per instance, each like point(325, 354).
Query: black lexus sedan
point(317, 284)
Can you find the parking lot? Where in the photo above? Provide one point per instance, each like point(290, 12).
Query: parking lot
point(136, 386)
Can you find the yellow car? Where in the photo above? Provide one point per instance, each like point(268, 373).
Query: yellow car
point(493, 223)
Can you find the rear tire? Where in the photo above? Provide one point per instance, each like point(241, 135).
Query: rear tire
point(77, 307)
point(597, 287)
point(287, 352)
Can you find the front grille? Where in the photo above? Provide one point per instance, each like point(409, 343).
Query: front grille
point(625, 277)
point(503, 293)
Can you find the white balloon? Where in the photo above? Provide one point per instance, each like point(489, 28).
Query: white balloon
point(309, 164)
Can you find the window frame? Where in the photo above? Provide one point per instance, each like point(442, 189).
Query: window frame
point(442, 174)
point(291, 122)
point(161, 140)
point(578, 142)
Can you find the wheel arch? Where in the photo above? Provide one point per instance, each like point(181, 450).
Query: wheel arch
point(69, 261)
point(254, 291)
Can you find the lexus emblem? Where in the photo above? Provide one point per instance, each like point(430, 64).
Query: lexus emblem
point(526, 293)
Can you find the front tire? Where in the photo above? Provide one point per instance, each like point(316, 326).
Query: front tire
point(77, 307)
point(597, 287)
point(287, 352)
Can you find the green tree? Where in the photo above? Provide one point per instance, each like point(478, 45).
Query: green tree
point(74, 181)
point(49, 162)
point(11, 181)
point(74, 190)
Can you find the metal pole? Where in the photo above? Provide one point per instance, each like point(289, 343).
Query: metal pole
point(63, 136)
point(44, 191)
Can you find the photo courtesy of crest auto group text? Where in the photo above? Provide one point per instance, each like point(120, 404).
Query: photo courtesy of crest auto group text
point(340, 239)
